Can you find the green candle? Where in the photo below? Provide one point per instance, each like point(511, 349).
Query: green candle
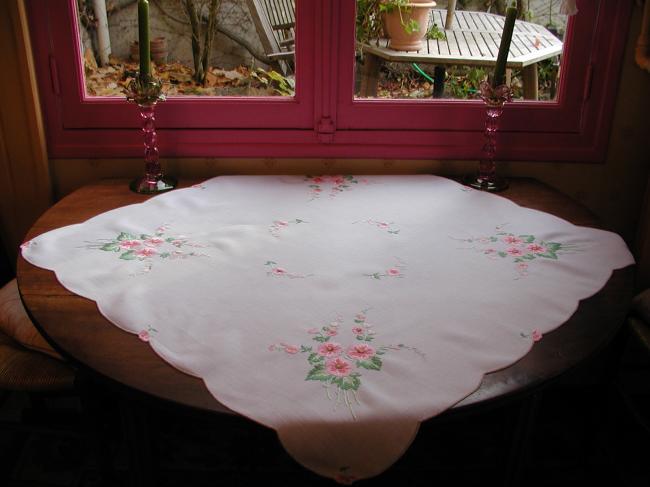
point(504, 47)
point(143, 39)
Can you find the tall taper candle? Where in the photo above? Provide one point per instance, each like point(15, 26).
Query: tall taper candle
point(504, 47)
point(143, 39)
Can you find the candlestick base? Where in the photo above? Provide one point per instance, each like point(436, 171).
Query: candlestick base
point(147, 185)
point(493, 185)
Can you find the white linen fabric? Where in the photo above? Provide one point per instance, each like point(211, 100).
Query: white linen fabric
point(339, 310)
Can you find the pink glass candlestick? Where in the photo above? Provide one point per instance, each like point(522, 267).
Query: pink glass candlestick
point(486, 178)
point(146, 92)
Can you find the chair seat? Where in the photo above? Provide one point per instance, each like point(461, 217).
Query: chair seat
point(25, 370)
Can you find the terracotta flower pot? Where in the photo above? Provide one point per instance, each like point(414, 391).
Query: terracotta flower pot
point(158, 48)
point(395, 23)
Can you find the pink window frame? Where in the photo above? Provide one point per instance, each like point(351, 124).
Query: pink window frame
point(324, 119)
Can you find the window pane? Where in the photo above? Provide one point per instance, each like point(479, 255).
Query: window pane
point(450, 63)
point(250, 54)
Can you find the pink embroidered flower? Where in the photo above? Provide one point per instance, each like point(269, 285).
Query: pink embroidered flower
point(154, 241)
point(281, 223)
point(489, 251)
point(361, 351)
point(538, 249)
point(144, 336)
point(271, 348)
point(338, 367)
point(522, 267)
point(536, 336)
point(393, 271)
point(331, 332)
point(357, 330)
point(291, 349)
point(382, 225)
point(339, 180)
point(334, 324)
point(161, 229)
point(317, 190)
point(329, 349)
point(279, 271)
point(130, 244)
point(317, 180)
point(24, 245)
point(146, 252)
point(313, 331)
point(512, 240)
point(360, 317)
point(514, 251)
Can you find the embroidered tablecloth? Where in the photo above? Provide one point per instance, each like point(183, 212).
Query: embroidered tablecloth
point(339, 310)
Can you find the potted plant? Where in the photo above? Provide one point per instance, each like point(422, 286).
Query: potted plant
point(404, 22)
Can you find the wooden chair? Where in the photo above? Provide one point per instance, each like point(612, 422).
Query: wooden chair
point(275, 22)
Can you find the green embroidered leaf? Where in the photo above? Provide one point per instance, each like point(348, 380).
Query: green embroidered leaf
point(376, 276)
point(349, 177)
point(318, 373)
point(270, 262)
point(125, 236)
point(367, 338)
point(298, 220)
point(130, 255)
point(321, 339)
point(164, 255)
point(494, 239)
point(169, 239)
point(527, 238)
point(549, 255)
point(529, 257)
point(358, 321)
point(360, 338)
point(305, 349)
point(380, 352)
point(502, 254)
point(395, 232)
point(110, 247)
point(370, 364)
point(351, 382)
point(553, 246)
point(315, 359)
point(377, 361)
point(144, 236)
point(314, 186)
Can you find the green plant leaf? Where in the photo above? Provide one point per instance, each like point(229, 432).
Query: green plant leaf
point(318, 373)
point(315, 359)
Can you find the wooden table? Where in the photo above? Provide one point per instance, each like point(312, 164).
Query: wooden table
point(75, 327)
point(473, 40)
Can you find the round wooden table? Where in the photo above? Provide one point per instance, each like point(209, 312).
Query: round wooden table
point(74, 326)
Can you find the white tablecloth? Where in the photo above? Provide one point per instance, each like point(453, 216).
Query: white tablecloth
point(340, 311)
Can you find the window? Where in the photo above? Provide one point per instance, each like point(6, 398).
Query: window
point(324, 118)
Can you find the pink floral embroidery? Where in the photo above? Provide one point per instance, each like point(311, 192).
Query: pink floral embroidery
point(512, 240)
point(154, 241)
point(145, 247)
point(278, 225)
point(361, 351)
point(338, 367)
point(395, 271)
point(523, 249)
point(330, 349)
point(388, 227)
point(145, 335)
point(146, 252)
point(337, 184)
point(341, 367)
point(130, 244)
point(277, 271)
point(536, 336)
point(25, 245)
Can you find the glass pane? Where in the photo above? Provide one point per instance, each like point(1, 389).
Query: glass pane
point(251, 52)
point(451, 62)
